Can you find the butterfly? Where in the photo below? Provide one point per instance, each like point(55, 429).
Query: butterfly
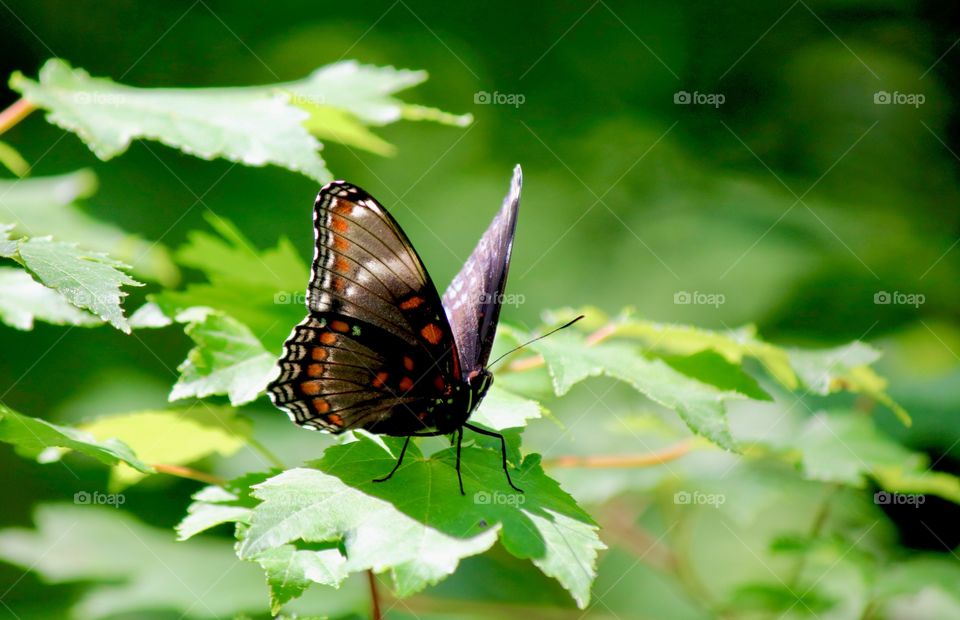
point(379, 349)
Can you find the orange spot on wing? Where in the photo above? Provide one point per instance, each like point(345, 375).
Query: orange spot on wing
point(340, 244)
point(422, 416)
point(328, 338)
point(337, 284)
point(380, 379)
point(321, 405)
point(319, 353)
point(339, 224)
point(341, 264)
point(439, 383)
point(335, 419)
point(408, 362)
point(431, 333)
point(406, 384)
point(410, 304)
point(339, 326)
point(315, 370)
point(310, 388)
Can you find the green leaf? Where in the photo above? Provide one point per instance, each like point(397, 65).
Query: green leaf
point(215, 505)
point(171, 437)
point(48, 206)
point(262, 289)
point(570, 360)
point(502, 409)
point(227, 359)
point(417, 525)
point(327, 122)
point(255, 126)
point(88, 280)
point(24, 300)
point(33, 437)
point(711, 367)
point(131, 568)
point(12, 160)
point(290, 571)
point(845, 368)
point(779, 599)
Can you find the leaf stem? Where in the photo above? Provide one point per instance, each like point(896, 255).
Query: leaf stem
point(659, 457)
point(375, 613)
point(190, 474)
point(16, 112)
point(266, 453)
point(535, 361)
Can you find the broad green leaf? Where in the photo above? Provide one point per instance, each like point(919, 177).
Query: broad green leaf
point(570, 360)
point(733, 345)
point(132, 569)
point(88, 280)
point(216, 505)
point(24, 300)
point(12, 160)
point(290, 571)
point(845, 368)
point(711, 367)
point(255, 126)
point(171, 437)
point(227, 359)
point(33, 438)
point(779, 599)
point(48, 206)
point(262, 289)
point(912, 575)
point(502, 409)
point(417, 525)
point(326, 122)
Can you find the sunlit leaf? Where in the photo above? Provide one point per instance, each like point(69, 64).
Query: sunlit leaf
point(24, 300)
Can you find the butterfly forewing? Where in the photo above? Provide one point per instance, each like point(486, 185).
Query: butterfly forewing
point(473, 299)
point(376, 350)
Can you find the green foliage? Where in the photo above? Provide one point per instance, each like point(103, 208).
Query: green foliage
point(23, 300)
point(255, 126)
point(33, 438)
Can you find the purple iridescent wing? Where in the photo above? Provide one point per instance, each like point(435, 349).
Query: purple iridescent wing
point(473, 299)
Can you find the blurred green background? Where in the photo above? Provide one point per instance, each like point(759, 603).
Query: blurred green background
point(795, 202)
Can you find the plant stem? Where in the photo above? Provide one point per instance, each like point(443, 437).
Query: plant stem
point(186, 472)
point(670, 453)
point(535, 361)
point(266, 453)
point(819, 520)
point(374, 597)
point(17, 111)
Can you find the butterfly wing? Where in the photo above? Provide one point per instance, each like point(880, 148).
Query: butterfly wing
point(473, 299)
point(375, 350)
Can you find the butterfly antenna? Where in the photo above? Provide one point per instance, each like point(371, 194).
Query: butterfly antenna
point(551, 332)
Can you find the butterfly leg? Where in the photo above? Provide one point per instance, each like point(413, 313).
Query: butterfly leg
point(459, 442)
point(503, 451)
point(399, 461)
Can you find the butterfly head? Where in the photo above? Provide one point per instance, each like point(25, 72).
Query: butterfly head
point(463, 399)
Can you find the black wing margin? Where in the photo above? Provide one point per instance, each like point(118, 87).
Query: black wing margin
point(473, 299)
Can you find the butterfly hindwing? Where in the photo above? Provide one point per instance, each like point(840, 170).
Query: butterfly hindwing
point(376, 350)
point(473, 299)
